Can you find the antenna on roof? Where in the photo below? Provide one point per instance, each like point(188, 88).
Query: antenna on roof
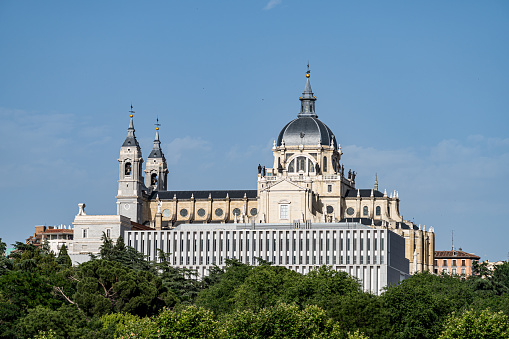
point(452, 240)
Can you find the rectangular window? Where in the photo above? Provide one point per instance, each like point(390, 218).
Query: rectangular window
point(454, 262)
point(444, 262)
point(108, 232)
point(463, 262)
point(84, 233)
point(453, 271)
point(329, 188)
point(283, 211)
point(463, 271)
point(348, 244)
point(362, 244)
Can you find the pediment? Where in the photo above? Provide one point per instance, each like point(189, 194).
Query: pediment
point(284, 185)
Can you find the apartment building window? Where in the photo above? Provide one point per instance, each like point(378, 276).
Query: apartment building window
point(84, 233)
point(454, 262)
point(444, 263)
point(453, 271)
point(463, 271)
point(463, 262)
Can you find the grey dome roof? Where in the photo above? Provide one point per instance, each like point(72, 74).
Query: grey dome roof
point(306, 131)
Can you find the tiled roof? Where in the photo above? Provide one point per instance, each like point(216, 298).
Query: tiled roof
point(455, 254)
point(232, 194)
point(140, 227)
point(68, 231)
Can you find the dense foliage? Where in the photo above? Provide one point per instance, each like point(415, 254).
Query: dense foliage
point(120, 294)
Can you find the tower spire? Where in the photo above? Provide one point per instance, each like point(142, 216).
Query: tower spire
point(376, 182)
point(307, 105)
point(156, 150)
point(130, 140)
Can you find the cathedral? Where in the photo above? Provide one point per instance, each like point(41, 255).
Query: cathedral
point(306, 185)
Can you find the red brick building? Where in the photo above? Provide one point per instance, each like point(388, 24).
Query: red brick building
point(455, 262)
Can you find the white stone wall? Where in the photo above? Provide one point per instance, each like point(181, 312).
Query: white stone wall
point(88, 230)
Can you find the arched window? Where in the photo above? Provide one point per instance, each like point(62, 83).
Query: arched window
point(153, 179)
point(378, 210)
point(127, 168)
point(324, 164)
point(301, 164)
point(291, 167)
point(310, 166)
point(365, 210)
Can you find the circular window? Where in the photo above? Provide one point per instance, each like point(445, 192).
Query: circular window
point(349, 211)
point(183, 212)
point(254, 211)
point(166, 213)
point(330, 209)
point(219, 212)
point(201, 212)
point(236, 211)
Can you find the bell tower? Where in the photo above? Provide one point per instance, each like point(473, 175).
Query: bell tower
point(130, 176)
point(156, 170)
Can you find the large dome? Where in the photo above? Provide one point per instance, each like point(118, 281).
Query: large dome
point(306, 131)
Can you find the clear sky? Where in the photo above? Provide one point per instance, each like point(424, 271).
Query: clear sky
point(414, 91)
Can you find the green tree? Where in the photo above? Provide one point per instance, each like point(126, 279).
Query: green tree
point(220, 297)
point(105, 286)
point(65, 322)
point(5, 263)
point(19, 292)
point(265, 286)
point(470, 325)
point(280, 321)
point(419, 305)
point(63, 258)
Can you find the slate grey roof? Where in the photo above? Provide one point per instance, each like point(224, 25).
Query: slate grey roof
point(130, 140)
point(306, 131)
point(156, 150)
point(364, 193)
point(232, 194)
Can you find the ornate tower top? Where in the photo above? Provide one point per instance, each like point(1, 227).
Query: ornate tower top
point(156, 150)
point(130, 140)
point(307, 107)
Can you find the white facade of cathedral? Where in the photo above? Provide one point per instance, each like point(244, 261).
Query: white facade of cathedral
point(306, 185)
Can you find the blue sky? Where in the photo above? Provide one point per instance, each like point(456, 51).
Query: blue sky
point(414, 91)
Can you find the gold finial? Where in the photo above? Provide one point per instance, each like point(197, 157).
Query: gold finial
point(307, 75)
point(157, 128)
point(131, 111)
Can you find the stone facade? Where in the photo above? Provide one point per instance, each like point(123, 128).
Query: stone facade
point(307, 184)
